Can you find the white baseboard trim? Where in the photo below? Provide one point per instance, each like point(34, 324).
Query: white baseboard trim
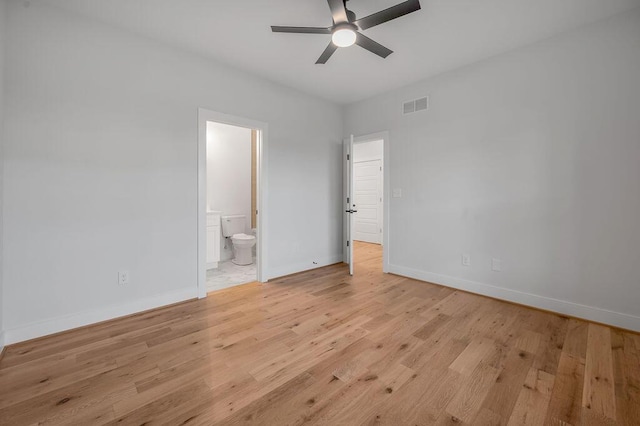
point(80, 319)
point(2, 344)
point(301, 267)
point(590, 313)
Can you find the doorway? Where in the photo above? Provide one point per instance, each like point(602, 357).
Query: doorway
point(366, 186)
point(231, 200)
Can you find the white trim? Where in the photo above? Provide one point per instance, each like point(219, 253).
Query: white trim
point(205, 115)
point(590, 313)
point(346, 255)
point(80, 319)
point(386, 191)
point(301, 267)
point(2, 342)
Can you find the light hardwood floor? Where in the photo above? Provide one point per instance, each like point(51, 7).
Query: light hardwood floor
point(325, 348)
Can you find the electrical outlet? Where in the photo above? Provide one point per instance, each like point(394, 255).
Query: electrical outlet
point(123, 277)
point(466, 260)
point(496, 264)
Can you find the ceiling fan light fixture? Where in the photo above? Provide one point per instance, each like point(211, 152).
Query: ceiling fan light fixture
point(343, 36)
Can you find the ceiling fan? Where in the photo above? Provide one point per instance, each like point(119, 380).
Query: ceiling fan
point(344, 31)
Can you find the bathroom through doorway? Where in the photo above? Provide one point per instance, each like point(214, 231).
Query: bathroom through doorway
point(229, 201)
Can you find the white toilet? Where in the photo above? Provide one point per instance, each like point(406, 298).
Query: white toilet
point(234, 227)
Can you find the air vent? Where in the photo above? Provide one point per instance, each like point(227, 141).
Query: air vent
point(422, 104)
point(415, 105)
point(409, 107)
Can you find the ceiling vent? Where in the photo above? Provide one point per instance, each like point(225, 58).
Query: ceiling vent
point(415, 105)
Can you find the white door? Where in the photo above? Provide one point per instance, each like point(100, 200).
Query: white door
point(349, 211)
point(368, 201)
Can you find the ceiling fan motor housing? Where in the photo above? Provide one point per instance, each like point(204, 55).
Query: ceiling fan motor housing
point(345, 26)
point(351, 15)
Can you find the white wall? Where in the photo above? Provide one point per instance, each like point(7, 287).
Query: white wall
point(531, 157)
point(229, 174)
point(101, 170)
point(2, 42)
point(368, 151)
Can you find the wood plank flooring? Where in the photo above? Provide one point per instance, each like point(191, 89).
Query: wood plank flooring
point(325, 348)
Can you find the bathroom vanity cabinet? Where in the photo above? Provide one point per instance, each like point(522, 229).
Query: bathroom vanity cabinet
point(213, 239)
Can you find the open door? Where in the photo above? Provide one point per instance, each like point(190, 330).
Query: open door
point(350, 207)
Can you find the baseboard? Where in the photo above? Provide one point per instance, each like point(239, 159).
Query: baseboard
point(590, 313)
point(2, 344)
point(301, 267)
point(80, 319)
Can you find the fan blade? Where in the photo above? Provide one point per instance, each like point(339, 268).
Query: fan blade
point(327, 53)
point(388, 14)
point(338, 11)
point(372, 46)
point(300, 30)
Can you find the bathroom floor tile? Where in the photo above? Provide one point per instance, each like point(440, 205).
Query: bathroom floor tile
point(229, 274)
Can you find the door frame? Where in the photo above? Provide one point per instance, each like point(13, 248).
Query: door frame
point(205, 115)
point(384, 136)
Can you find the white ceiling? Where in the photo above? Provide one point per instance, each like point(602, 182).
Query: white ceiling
point(444, 35)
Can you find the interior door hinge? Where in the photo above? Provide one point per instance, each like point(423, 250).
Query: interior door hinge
point(347, 200)
point(347, 157)
point(347, 243)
